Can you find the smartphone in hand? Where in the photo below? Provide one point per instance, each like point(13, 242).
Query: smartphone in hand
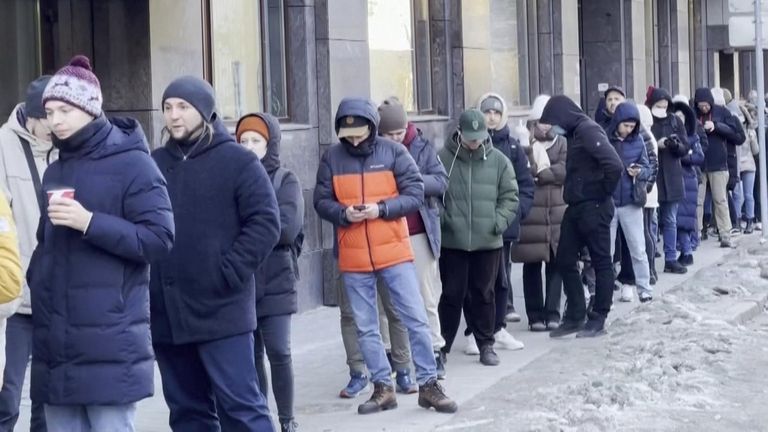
point(359, 207)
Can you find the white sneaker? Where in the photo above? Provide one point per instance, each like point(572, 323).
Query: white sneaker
point(627, 293)
point(587, 294)
point(506, 341)
point(471, 348)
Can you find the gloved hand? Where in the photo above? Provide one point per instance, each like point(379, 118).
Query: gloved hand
point(732, 182)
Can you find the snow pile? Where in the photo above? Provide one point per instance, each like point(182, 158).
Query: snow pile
point(673, 352)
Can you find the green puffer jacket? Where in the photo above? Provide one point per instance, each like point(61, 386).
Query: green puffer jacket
point(481, 200)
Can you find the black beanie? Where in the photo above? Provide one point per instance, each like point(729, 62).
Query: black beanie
point(196, 92)
point(33, 105)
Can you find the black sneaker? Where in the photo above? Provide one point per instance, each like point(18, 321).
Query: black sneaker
point(685, 259)
point(566, 328)
point(704, 235)
point(288, 426)
point(674, 267)
point(750, 228)
point(726, 243)
point(440, 361)
point(593, 328)
point(488, 356)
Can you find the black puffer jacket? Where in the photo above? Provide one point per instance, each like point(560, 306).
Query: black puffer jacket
point(673, 145)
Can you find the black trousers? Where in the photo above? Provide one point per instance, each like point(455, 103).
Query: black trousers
point(502, 291)
point(473, 275)
point(538, 307)
point(587, 224)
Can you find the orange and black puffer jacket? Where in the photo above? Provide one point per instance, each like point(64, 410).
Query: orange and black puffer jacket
point(376, 171)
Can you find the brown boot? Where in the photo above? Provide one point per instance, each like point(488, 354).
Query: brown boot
point(432, 394)
point(382, 399)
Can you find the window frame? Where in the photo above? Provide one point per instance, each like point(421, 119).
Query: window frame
point(209, 57)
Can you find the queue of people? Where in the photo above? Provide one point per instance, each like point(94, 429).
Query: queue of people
point(188, 255)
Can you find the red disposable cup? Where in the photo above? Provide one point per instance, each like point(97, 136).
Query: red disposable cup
point(61, 193)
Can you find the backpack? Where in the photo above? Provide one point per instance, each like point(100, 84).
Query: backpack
point(298, 242)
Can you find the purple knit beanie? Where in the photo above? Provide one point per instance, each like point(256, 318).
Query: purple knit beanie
point(76, 85)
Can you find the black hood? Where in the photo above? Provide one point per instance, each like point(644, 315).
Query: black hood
point(703, 94)
point(562, 111)
point(690, 117)
point(271, 160)
point(656, 94)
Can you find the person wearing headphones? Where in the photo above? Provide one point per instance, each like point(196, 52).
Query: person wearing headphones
point(480, 204)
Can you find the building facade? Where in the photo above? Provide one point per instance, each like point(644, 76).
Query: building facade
point(298, 58)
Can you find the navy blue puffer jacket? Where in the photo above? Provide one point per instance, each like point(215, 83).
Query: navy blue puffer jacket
point(92, 342)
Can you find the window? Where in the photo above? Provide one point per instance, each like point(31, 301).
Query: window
point(246, 55)
point(399, 49)
point(20, 51)
point(495, 50)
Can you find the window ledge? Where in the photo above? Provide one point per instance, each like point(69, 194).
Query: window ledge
point(285, 127)
point(424, 118)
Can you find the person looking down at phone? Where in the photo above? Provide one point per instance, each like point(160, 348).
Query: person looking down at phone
point(366, 185)
point(630, 195)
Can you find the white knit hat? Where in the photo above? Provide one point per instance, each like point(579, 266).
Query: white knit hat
point(538, 107)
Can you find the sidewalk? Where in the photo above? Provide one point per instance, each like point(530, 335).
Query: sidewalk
point(321, 371)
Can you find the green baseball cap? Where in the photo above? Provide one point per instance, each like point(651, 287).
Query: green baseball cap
point(472, 125)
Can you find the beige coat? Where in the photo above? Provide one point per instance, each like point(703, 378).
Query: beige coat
point(540, 231)
point(16, 183)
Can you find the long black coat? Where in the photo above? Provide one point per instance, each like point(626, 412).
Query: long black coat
point(227, 223)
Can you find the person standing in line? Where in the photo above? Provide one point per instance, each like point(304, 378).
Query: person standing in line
point(423, 226)
point(480, 204)
point(650, 217)
point(203, 295)
point(630, 195)
point(106, 219)
point(276, 298)
point(494, 108)
point(366, 186)
point(723, 130)
point(593, 169)
point(687, 228)
point(11, 277)
point(25, 153)
point(673, 145)
point(540, 231)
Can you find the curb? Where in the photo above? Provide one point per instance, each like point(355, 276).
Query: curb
point(744, 310)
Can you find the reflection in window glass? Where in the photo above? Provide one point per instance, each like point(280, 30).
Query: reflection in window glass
point(493, 48)
point(236, 51)
point(423, 55)
point(505, 55)
point(390, 40)
point(275, 60)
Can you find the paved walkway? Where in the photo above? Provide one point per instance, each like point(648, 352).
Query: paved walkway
point(321, 371)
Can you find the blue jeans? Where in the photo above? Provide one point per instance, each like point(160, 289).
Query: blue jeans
point(96, 418)
point(745, 195)
point(212, 386)
point(630, 217)
point(18, 348)
point(406, 298)
point(668, 222)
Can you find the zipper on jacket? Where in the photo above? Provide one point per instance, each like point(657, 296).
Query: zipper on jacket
point(367, 237)
point(469, 222)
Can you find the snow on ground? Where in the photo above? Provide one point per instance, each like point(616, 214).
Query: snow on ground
point(672, 365)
